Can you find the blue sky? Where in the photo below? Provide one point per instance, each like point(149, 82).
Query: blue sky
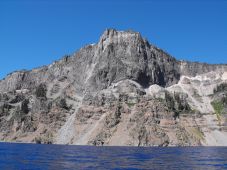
point(37, 32)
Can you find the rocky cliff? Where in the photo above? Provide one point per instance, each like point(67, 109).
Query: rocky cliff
point(121, 91)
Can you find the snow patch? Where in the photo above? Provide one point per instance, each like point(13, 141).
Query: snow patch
point(224, 76)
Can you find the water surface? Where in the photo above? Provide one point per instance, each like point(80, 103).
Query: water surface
point(32, 156)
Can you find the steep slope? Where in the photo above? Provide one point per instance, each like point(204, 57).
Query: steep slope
point(120, 91)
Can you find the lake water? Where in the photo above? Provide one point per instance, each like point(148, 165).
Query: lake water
point(31, 156)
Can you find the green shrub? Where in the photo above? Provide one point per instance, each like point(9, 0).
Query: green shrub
point(130, 104)
point(41, 91)
point(62, 104)
point(218, 106)
point(169, 101)
point(220, 88)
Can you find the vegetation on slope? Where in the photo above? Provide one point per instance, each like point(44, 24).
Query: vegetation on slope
point(218, 108)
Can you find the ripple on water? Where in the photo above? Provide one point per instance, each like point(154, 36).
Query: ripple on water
point(30, 156)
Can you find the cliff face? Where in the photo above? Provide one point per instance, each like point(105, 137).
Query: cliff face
point(120, 91)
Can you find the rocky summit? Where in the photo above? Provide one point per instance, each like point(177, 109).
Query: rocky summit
point(122, 91)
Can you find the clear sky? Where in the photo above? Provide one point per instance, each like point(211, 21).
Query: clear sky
point(37, 32)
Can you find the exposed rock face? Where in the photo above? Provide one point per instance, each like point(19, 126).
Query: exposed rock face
point(120, 91)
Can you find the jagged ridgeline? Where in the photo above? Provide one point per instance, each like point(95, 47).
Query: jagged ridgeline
point(121, 91)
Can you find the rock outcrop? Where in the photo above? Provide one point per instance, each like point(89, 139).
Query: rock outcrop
point(121, 91)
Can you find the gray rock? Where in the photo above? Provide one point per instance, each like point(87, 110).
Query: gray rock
point(111, 77)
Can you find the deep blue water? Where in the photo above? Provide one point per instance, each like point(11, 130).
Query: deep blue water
point(31, 156)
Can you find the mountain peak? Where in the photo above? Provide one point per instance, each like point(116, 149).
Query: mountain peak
point(112, 36)
point(110, 32)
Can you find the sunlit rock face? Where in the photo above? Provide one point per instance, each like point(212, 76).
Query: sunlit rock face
point(121, 91)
